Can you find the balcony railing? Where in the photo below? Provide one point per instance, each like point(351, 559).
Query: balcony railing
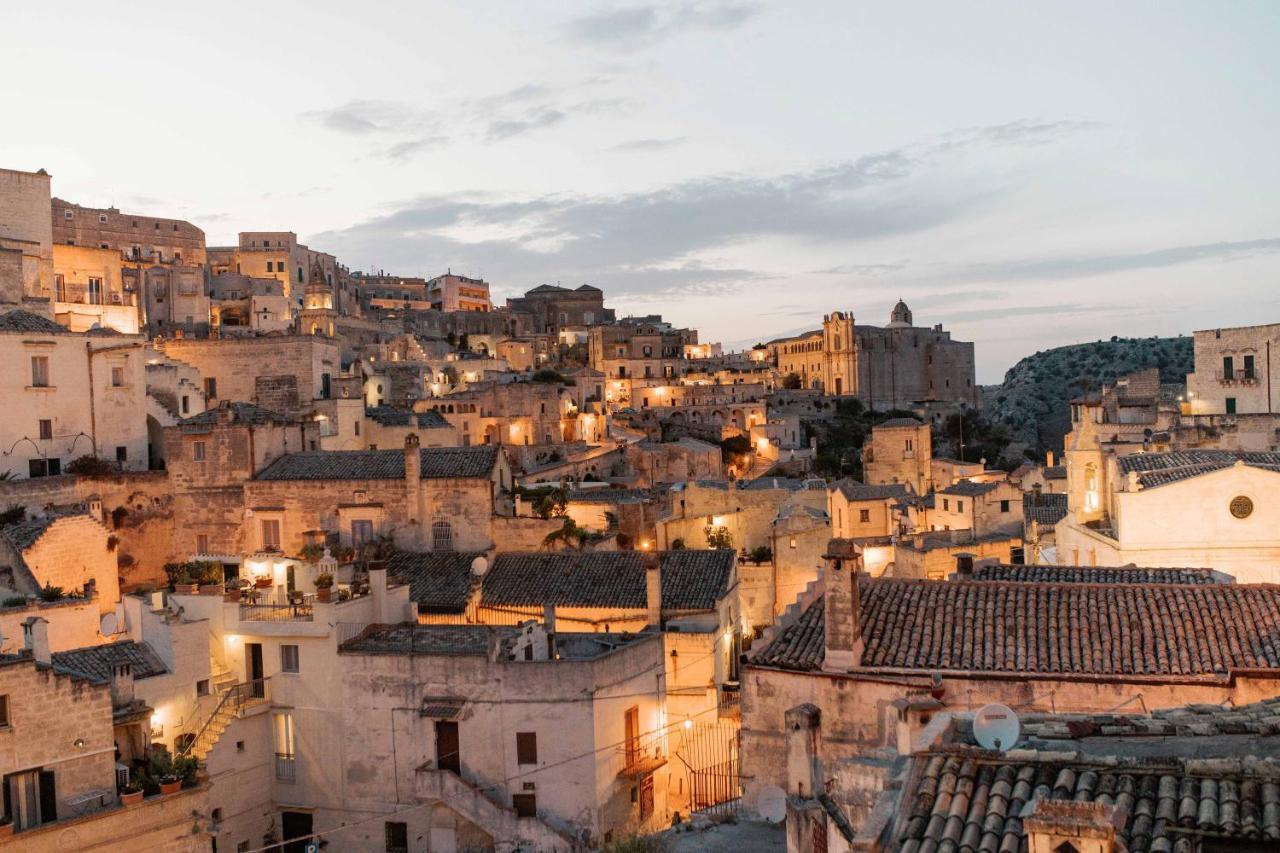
point(81, 295)
point(269, 606)
point(729, 700)
point(286, 767)
point(1242, 376)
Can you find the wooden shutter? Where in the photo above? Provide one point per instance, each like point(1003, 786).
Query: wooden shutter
point(526, 748)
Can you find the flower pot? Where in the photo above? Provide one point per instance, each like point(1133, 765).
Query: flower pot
point(186, 589)
point(323, 594)
point(262, 583)
point(233, 594)
point(211, 589)
point(131, 798)
point(167, 788)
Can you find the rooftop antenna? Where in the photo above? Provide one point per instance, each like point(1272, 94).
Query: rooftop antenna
point(996, 727)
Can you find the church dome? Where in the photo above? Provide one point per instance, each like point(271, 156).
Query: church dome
point(901, 315)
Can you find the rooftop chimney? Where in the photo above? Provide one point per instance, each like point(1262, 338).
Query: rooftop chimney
point(35, 638)
point(804, 767)
point(964, 566)
point(121, 685)
point(378, 591)
point(653, 589)
point(843, 614)
point(412, 474)
point(1048, 458)
point(549, 625)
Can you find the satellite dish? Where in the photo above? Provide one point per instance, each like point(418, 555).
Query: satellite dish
point(479, 566)
point(996, 727)
point(772, 804)
point(108, 624)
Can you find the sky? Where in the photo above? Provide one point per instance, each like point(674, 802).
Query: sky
point(1026, 174)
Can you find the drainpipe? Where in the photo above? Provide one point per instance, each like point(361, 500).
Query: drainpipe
point(93, 417)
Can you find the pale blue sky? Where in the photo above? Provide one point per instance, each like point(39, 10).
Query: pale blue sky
point(1028, 174)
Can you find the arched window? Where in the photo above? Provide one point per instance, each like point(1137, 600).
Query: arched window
point(442, 536)
point(1066, 847)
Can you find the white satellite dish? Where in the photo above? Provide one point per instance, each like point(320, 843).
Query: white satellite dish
point(772, 804)
point(108, 624)
point(479, 566)
point(996, 727)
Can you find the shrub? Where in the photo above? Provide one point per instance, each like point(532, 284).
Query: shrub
point(91, 466)
point(14, 601)
point(13, 515)
point(311, 552)
point(677, 544)
point(324, 580)
point(718, 537)
point(52, 593)
point(549, 376)
point(762, 553)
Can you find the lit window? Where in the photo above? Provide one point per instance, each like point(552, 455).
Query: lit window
point(288, 658)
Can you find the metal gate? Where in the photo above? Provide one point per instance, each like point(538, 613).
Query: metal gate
point(711, 755)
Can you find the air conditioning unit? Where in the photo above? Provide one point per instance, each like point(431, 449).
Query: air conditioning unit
point(116, 299)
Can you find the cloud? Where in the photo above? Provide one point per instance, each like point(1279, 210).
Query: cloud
point(535, 120)
point(863, 269)
point(407, 150)
point(1084, 266)
point(643, 25)
point(649, 144)
point(1023, 132)
point(364, 117)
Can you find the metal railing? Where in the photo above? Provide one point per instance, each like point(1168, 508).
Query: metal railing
point(729, 700)
point(1242, 374)
point(233, 699)
point(286, 767)
point(270, 606)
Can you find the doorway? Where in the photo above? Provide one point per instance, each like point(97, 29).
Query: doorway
point(295, 825)
point(447, 755)
point(254, 671)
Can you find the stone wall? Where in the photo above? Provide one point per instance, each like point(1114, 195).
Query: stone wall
point(236, 364)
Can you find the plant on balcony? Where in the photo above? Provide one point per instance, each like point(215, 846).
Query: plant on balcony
point(160, 775)
point(324, 586)
point(761, 554)
point(311, 553)
point(186, 768)
point(14, 601)
point(131, 793)
point(52, 593)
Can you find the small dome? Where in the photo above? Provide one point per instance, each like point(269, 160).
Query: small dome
point(901, 315)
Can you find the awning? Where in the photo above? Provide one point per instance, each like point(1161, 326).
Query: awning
point(441, 707)
point(642, 767)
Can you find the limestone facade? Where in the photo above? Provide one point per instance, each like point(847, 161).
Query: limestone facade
point(1235, 371)
point(26, 239)
point(451, 292)
point(282, 373)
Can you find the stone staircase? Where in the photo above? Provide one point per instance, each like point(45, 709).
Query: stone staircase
point(510, 832)
point(230, 699)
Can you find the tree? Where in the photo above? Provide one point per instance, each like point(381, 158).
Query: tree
point(549, 376)
point(792, 382)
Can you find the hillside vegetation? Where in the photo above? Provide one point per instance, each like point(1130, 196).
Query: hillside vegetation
point(1034, 400)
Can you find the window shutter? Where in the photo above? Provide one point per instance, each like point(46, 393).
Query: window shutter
point(48, 797)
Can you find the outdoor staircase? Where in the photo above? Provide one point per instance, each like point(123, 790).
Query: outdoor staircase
point(231, 698)
point(479, 806)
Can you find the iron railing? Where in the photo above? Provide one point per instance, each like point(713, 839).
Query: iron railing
point(268, 606)
point(233, 699)
point(286, 767)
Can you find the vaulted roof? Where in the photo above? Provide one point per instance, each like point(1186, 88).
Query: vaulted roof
point(436, 463)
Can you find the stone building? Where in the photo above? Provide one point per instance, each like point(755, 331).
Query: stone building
point(451, 292)
point(278, 255)
point(439, 498)
point(283, 373)
point(1234, 371)
point(897, 366)
point(862, 650)
point(985, 508)
point(681, 461)
point(513, 413)
point(240, 302)
point(550, 308)
point(69, 395)
point(68, 550)
point(26, 241)
point(860, 510)
point(131, 236)
point(89, 291)
point(900, 450)
point(639, 347)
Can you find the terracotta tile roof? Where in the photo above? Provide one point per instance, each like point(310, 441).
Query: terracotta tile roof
point(94, 662)
point(26, 533)
point(391, 416)
point(899, 422)
point(1096, 574)
point(439, 581)
point(24, 321)
point(691, 579)
point(968, 488)
point(240, 413)
point(1105, 630)
point(437, 462)
point(855, 491)
point(1158, 469)
point(1045, 508)
point(1055, 472)
point(412, 638)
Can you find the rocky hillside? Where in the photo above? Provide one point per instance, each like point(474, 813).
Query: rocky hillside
point(1034, 399)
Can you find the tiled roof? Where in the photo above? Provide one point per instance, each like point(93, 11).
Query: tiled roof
point(439, 581)
point(855, 491)
point(437, 462)
point(391, 416)
point(24, 321)
point(412, 638)
point(1055, 472)
point(26, 533)
point(1095, 574)
point(241, 413)
point(94, 662)
point(968, 488)
point(1188, 774)
point(900, 422)
point(691, 580)
point(1045, 508)
point(1166, 630)
point(1158, 469)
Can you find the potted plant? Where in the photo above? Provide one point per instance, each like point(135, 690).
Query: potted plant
point(210, 576)
point(181, 579)
point(131, 794)
point(262, 582)
point(324, 586)
point(233, 591)
point(186, 769)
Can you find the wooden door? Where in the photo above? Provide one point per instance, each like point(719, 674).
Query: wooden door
point(447, 755)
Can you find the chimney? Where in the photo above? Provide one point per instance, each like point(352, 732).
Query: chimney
point(121, 685)
point(549, 625)
point(378, 590)
point(653, 590)
point(964, 566)
point(35, 638)
point(843, 614)
point(804, 769)
point(412, 474)
point(1048, 458)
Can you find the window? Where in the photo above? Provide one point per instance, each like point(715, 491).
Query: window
point(396, 834)
point(1249, 367)
point(122, 453)
point(361, 532)
point(959, 506)
point(526, 748)
point(1004, 506)
point(907, 445)
point(39, 371)
point(117, 377)
point(44, 467)
point(1231, 405)
point(31, 797)
point(270, 534)
point(202, 687)
point(202, 543)
point(288, 658)
point(631, 725)
point(442, 536)
point(210, 387)
point(864, 515)
point(67, 214)
point(1228, 367)
point(946, 504)
point(286, 769)
point(197, 451)
point(186, 405)
point(46, 430)
point(4, 712)
point(526, 805)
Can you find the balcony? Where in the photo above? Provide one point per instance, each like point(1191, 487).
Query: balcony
point(269, 606)
point(729, 701)
point(286, 767)
point(1242, 376)
point(82, 295)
